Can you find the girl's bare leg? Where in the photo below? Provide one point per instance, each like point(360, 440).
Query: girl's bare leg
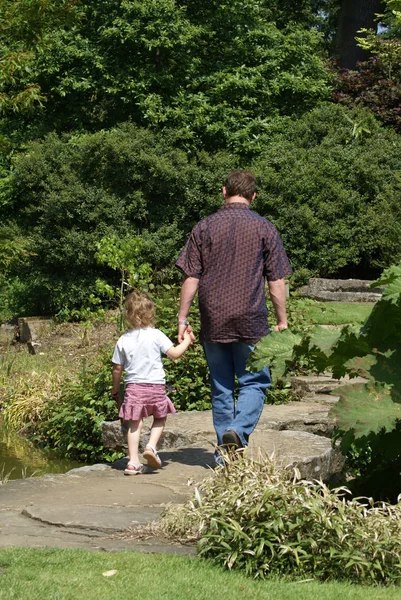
point(134, 432)
point(156, 431)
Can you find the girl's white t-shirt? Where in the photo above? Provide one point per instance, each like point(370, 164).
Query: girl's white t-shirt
point(139, 352)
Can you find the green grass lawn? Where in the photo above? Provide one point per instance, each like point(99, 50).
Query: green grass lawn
point(337, 313)
point(74, 574)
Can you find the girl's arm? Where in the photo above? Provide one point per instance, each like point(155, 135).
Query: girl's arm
point(117, 371)
point(176, 351)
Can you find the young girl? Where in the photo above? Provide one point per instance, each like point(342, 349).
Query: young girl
point(138, 352)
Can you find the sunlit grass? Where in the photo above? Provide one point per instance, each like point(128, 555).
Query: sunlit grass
point(81, 574)
point(337, 313)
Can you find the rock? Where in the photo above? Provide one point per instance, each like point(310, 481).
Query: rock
point(114, 436)
point(298, 416)
point(303, 385)
point(88, 469)
point(312, 454)
point(341, 290)
point(31, 329)
point(277, 426)
point(7, 333)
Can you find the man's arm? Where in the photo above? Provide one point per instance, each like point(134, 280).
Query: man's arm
point(188, 290)
point(277, 295)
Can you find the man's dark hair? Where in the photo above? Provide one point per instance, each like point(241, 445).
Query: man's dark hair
point(240, 183)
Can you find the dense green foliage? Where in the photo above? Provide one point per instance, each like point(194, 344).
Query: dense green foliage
point(368, 413)
point(262, 520)
point(121, 119)
point(206, 69)
point(71, 424)
point(329, 181)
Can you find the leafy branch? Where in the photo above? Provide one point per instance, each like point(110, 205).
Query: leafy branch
point(372, 351)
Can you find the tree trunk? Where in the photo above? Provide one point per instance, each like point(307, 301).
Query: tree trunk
point(354, 15)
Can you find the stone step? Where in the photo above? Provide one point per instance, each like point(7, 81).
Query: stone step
point(313, 455)
point(297, 433)
point(304, 385)
point(188, 428)
point(320, 399)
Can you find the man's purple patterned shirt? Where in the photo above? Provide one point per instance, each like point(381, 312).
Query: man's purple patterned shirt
point(232, 252)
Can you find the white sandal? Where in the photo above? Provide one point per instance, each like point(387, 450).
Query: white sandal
point(152, 457)
point(133, 469)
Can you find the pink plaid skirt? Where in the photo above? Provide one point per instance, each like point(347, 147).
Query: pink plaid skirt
point(145, 400)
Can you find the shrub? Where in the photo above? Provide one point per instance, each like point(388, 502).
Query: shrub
point(330, 182)
point(68, 193)
point(71, 424)
point(251, 516)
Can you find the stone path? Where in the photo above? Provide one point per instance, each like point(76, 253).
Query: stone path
point(93, 507)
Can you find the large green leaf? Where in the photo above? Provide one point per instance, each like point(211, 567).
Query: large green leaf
point(351, 343)
point(360, 366)
point(275, 350)
point(324, 339)
point(384, 322)
point(366, 408)
point(391, 278)
point(316, 348)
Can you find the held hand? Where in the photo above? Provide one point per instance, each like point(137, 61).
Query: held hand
point(116, 397)
point(280, 327)
point(182, 329)
point(189, 336)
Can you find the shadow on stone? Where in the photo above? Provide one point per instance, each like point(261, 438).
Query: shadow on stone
point(189, 456)
point(185, 456)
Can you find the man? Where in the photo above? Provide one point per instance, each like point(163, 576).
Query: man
point(226, 260)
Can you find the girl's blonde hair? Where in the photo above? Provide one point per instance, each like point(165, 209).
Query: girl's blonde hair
point(139, 310)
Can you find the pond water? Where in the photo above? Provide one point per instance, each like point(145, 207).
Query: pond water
point(19, 458)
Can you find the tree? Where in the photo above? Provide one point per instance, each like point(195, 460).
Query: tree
point(353, 16)
point(206, 69)
point(376, 83)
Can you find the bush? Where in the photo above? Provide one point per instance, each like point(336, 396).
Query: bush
point(70, 192)
point(330, 183)
point(251, 516)
point(71, 423)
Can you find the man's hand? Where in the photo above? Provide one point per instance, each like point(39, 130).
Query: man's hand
point(280, 327)
point(185, 329)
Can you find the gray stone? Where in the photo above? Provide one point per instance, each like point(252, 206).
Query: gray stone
point(321, 398)
point(182, 429)
point(97, 507)
point(303, 385)
point(312, 454)
point(7, 333)
point(341, 290)
point(89, 469)
point(32, 329)
point(298, 416)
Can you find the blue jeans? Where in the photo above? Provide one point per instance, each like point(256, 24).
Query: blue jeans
point(226, 361)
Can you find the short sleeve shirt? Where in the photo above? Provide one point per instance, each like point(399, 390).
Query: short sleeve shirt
point(232, 252)
point(139, 352)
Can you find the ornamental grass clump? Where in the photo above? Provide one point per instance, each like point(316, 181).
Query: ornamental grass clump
point(28, 398)
point(255, 517)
